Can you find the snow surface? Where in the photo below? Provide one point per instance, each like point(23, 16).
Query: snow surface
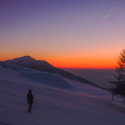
point(58, 101)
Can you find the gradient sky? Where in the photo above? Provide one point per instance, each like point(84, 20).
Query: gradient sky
point(65, 33)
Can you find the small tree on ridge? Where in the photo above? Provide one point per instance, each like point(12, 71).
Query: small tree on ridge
point(119, 83)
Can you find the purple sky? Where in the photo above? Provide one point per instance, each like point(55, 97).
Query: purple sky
point(56, 30)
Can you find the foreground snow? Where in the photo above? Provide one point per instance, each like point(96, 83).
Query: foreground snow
point(58, 101)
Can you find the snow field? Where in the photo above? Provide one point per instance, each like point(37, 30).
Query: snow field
point(58, 101)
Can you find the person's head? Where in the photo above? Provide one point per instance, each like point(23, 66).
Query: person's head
point(30, 91)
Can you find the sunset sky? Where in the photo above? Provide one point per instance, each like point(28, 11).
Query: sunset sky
point(65, 33)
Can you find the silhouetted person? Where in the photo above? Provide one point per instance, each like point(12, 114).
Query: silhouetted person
point(30, 100)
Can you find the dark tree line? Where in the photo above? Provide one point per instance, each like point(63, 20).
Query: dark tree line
point(119, 82)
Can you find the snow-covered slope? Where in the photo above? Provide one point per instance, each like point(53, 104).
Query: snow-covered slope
point(29, 62)
point(58, 101)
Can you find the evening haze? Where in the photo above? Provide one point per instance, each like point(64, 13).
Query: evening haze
point(65, 33)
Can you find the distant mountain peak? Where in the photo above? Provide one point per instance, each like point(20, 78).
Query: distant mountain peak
point(28, 61)
point(27, 58)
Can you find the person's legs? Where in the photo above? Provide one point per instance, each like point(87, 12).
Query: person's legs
point(30, 106)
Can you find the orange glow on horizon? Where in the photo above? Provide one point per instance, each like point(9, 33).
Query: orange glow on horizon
point(101, 66)
point(88, 63)
point(76, 62)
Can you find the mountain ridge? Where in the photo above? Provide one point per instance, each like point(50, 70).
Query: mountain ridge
point(42, 65)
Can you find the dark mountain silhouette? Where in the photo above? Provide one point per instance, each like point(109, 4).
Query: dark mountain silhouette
point(41, 65)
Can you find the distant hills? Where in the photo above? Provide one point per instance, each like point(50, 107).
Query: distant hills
point(29, 62)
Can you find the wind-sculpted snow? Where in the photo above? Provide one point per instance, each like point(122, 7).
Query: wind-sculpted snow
point(15, 67)
point(54, 104)
point(48, 79)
